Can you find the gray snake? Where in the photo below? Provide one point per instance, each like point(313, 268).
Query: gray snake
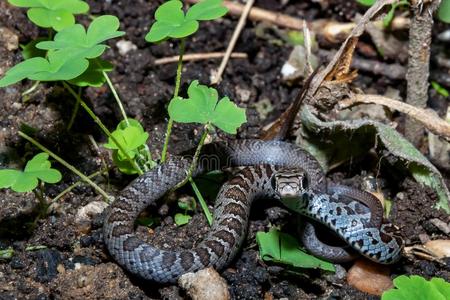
point(232, 209)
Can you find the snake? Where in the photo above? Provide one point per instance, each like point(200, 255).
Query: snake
point(266, 167)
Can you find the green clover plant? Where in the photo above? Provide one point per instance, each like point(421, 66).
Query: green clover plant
point(416, 288)
point(187, 205)
point(173, 22)
point(38, 168)
point(56, 14)
point(202, 106)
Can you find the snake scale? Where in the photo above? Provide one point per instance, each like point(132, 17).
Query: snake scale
point(232, 209)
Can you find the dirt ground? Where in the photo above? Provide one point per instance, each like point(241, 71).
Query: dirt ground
point(73, 262)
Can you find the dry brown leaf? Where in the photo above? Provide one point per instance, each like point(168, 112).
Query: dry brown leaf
point(441, 248)
point(369, 277)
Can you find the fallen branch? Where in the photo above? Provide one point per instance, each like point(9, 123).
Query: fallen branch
point(432, 122)
point(333, 31)
point(419, 63)
point(197, 56)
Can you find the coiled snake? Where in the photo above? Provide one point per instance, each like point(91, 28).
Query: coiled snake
point(270, 162)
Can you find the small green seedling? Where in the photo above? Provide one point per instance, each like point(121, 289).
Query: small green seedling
point(56, 14)
point(38, 168)
point(187, 204)
point(6, 254)
point(132, 138)
point(418, 288)
point(283, 248)
point(171, 22)
point(439, 88)
point(202, 106)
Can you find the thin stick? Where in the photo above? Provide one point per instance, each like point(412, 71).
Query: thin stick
point(283, 20)
point(234, 38)
point(435, 124)
point(67, 165)
point(198, 56)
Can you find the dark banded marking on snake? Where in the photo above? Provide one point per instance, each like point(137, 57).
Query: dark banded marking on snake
point(159, 265)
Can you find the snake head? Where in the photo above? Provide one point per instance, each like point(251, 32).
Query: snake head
point(290, 183)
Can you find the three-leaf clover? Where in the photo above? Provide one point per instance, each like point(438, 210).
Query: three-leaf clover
point(203, 107)
point(171, 22)
point(416, 288)
point(59, 65)
point(24, 181)
point(87, 44)
point(57, 14)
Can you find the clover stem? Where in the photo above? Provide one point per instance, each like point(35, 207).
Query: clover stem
point(31, 89)
point(175, 94)
point(76, 107)
point(68, 189)
point(202, 201)
point(116, 96)
point(66, 164)
point(103, 127)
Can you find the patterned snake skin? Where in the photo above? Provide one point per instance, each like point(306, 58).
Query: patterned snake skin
point(231, 208)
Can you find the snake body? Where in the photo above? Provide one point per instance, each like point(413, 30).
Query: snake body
point(231, 211)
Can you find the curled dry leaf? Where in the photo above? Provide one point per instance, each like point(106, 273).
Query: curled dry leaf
point(369, 277)
point(441, 248)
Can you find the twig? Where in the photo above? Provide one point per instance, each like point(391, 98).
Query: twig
point(198, 56)
point(393, 71)
point(334, 31)
point(232, 43)
point(419, 63)
point(432, 122)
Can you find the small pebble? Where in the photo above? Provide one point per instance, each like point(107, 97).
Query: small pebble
point(125, 46)
point(205, 284)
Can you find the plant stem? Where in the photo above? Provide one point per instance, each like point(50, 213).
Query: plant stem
point(195, 159)
point(116, 96)
point(75, 111)
point(103, 127)
point(175, 94)
point(68, 189)
point(202, 202)
point(31, 89)
point(67, 165)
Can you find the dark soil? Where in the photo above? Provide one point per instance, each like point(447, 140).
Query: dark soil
point(73, 262)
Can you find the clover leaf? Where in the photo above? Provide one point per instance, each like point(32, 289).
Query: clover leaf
point(130, 137)
point(444, 11)
point(202, 107)
point(59, 65)
point(93, 76)
point(171, 22)
point(24, 181)
point(416, 288)
point(283, 248)
point(84, 43)
point(57, 14)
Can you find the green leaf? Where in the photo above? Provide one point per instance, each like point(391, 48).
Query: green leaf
point(24, 181)
point(187, 204)
point(417, 288)
point(444, 11)
point(6, 253)
point(202, 107)
point(366, 2)
point(58, 65)
point(171, 23)
point(283, 248)
point(93, 76)
point(85, 44)
point(439, 88)
point(206, 10)
point(130, 138)
point(30, 50)
point(181, 219)
point(57, 14)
